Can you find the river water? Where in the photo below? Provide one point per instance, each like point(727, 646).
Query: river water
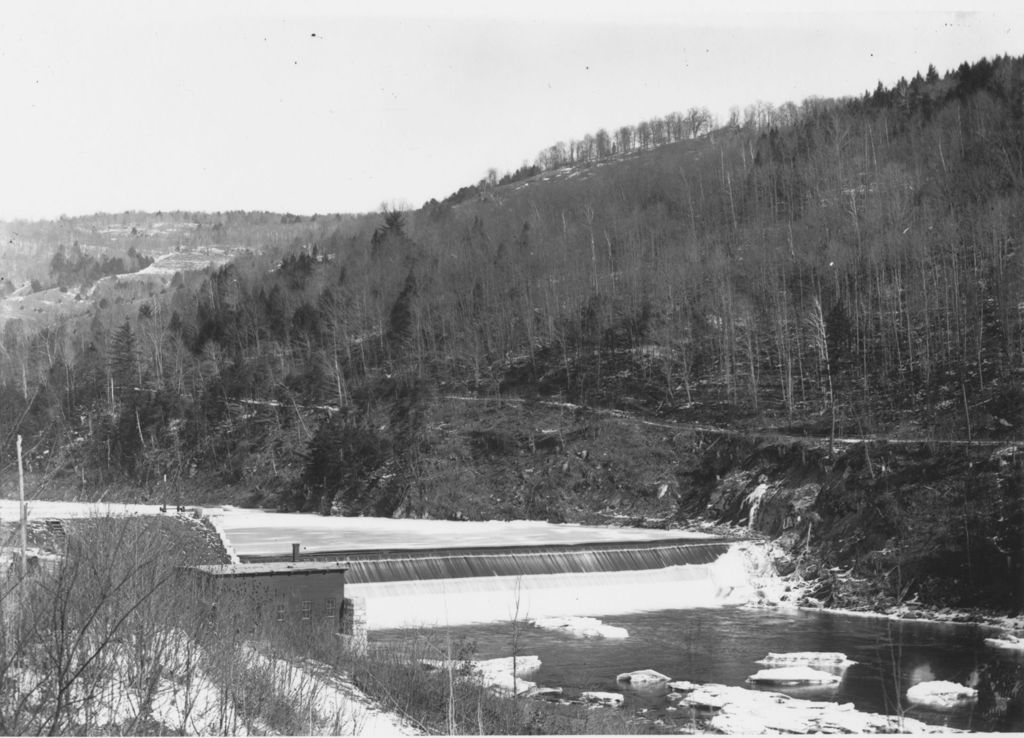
point(656, 584)
point(722, 644)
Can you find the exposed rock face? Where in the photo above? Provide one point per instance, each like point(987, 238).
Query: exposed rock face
point(782, 562)
point(844, 518)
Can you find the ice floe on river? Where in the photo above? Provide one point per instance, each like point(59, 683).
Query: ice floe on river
point(750, 712)
point(830, 659)
point(581, 627)
point(1006, 642)
point(793, 675)
point(942, 695)
point(504, 675)
point(611, 699)
point(643, 678)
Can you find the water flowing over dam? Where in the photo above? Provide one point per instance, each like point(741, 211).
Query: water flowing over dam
point(436, 573)
point(439, 602)
point(366, 567)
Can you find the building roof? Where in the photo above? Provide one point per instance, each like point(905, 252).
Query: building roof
point(277, 567)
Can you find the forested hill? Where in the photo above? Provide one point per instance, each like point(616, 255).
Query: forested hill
point(840, 266)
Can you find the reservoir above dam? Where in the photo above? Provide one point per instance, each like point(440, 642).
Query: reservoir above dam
point(258, 533)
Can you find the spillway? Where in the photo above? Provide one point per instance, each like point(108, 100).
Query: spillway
point(397, 565)
point(454, 586)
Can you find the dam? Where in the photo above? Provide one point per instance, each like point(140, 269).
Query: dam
point(430, 573)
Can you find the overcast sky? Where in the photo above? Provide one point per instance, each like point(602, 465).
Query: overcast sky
point(327, 106)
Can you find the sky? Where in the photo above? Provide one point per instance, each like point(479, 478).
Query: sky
point(318, 107)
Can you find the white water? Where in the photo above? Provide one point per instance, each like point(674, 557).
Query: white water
point(441, 602)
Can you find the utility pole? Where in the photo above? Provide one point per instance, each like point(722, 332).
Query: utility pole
point(23, 509)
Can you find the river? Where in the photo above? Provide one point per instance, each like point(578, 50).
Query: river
point(722, 644)
point(656, 584)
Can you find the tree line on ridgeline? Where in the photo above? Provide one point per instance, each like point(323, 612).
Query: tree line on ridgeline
point(839, 264)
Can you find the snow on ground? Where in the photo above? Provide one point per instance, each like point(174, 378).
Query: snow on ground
point(945, 617)
point(38, 509)
point(257, 532)
point(581, 627)
point(187, 700)
point(192, 706)
point(338, 708)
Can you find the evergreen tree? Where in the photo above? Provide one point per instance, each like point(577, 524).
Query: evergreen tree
point(124, 360)
point(400, 317)
point(339, 461)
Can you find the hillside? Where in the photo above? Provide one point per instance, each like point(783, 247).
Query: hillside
point(849, 268)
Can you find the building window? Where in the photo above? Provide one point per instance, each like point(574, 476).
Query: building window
point(329, 608)
point(280, 612)
point(307, 609)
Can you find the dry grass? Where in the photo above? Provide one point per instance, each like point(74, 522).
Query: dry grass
point(107, 639)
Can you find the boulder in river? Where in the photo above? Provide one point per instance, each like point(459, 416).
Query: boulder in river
point(612, 699)
point(782, 562)
point(643, 678)
point(793, 675)
point(942, 695)
point(581, 627)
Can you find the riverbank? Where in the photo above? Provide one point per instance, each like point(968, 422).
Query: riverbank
point(764, 558)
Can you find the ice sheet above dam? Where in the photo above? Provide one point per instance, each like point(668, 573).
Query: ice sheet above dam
point(255, 533)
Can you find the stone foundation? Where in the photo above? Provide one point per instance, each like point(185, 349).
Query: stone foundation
point(353, 621)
